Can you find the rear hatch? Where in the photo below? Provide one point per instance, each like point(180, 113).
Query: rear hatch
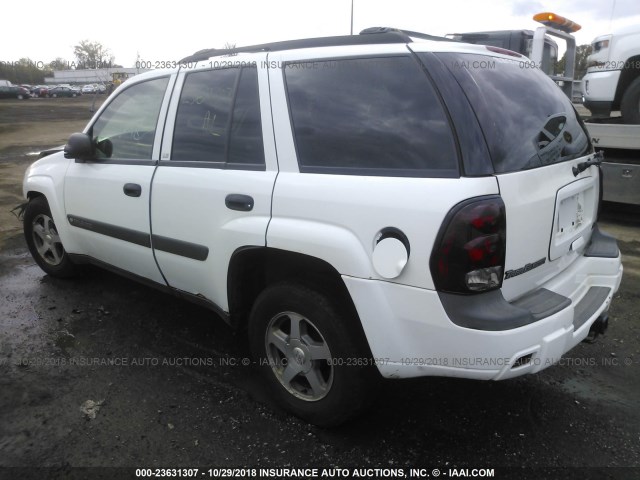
point(535, 138)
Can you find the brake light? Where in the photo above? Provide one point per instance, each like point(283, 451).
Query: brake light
point(469, 253)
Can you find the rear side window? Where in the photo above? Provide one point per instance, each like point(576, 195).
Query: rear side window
point(369, 116)
point(245, 142)
point(200, 134)
point(218, 119)
point(527, 120)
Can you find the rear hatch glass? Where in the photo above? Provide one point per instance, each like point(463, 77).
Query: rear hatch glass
point(535, 137)
point(527, 121)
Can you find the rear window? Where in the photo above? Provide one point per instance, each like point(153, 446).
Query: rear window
point(527, 121)
point(369, 116)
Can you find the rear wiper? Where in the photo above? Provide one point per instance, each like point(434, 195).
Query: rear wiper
point(581, 167)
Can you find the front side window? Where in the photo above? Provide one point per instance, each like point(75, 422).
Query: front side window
point(371, 116)
point(127, 127)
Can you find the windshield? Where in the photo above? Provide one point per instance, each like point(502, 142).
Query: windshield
point(527, 121)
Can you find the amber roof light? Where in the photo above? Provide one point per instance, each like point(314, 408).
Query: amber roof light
point(556, 21)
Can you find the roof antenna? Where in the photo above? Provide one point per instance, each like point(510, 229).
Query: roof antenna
point(351, 17)
point(613, 9)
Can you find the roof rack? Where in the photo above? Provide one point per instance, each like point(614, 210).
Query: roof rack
point(408, 33)
point(368, 36)
point(373, 38)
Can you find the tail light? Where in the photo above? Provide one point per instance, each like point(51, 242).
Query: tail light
point(468, 256)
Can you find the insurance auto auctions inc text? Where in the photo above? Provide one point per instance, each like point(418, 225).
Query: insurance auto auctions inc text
point(356, 473)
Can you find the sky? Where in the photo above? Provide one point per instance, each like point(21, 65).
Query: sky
point(156, 32)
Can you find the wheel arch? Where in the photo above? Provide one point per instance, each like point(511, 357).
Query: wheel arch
point(57, 212)
point(629, 73)
point(252, 269)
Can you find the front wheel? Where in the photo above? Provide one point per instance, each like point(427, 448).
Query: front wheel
point(43, 240)
point(309, 355)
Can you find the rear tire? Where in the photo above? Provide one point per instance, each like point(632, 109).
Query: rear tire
point(44, 242)
point(630, 104)
point(308, 355)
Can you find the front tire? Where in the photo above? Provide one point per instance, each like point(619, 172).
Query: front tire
point(630, 104)
point(43, 240)
point(308, 354)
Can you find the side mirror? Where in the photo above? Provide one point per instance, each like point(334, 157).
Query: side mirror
point(79, 146)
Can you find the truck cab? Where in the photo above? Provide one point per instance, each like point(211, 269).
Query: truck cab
point(520, 41)
point(612, 81)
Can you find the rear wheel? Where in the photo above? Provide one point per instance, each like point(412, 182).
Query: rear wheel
point(309, 356)
point(43, 240)
point(630, 104)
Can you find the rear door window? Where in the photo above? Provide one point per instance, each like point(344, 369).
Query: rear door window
point(218, 120)
point(527, 121)
point(369, 116)
point(200, 134)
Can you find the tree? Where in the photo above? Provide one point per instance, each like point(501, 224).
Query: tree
point(580, 65)
point(92, 55)
point(59, 64)
point(24, 71)
point(231, 47)
point(582, 52)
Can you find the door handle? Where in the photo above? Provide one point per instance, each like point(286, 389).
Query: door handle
point(132, 189)
point(237, 201)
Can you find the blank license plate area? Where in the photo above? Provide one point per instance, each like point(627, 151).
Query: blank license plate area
point(570, 215)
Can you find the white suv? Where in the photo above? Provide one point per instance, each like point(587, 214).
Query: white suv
point(361, 204)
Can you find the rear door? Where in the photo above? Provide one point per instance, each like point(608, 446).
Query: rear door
point(212, 189)
point(535, 139)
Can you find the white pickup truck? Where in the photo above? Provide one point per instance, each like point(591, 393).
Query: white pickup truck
point(612, 83)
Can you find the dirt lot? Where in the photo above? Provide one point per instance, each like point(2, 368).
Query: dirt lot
point(177, 392)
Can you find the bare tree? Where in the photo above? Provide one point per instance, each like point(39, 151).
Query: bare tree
point(230, 46)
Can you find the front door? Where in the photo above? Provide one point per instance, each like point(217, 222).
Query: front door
point(107, 198)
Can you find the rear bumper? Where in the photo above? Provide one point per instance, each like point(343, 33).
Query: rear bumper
point(411, 333)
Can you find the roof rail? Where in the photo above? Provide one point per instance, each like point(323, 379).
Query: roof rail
point(408, 33)
point(365, 38)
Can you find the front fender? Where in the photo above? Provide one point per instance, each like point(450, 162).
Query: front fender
point(46, 177)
